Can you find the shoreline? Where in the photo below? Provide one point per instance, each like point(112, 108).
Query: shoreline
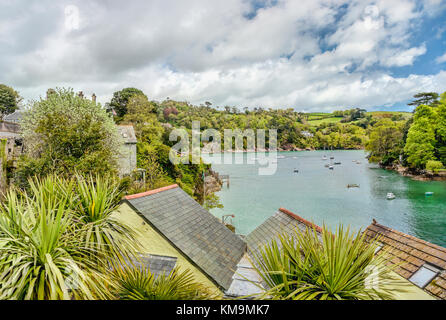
point(415, 175)
point(403, 171)
point(277, 150)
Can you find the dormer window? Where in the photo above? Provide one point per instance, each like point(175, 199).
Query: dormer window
point(424, 275)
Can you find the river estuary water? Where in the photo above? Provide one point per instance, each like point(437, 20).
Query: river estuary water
point(321, 195)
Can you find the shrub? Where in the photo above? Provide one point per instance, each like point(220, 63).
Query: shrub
point(327, 266)
point(65, 134)
point(433, 165)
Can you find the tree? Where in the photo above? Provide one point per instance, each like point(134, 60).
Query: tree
point(121, 99)
point(9, 100)
point(212, 201)
point(426, 98)
point(65, 134)
point(433, 165)
point(385, 144)
point(420, 143)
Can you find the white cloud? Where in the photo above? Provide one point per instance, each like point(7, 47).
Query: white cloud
point(403, 58)
point(441, 59)
point(309, 54)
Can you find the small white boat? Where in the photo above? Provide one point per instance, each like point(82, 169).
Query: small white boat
point(280, 157)
point(390, 196)
point(330, 167)
point(429, 193)
point(324, 158)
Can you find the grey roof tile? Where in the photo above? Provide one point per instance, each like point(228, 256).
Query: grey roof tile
point(280, 223)
point(196, 232)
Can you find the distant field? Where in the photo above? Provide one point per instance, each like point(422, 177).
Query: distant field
point(388, 114)
point(325, 120)
point(316, 118)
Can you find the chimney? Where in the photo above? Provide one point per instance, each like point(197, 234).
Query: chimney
point(93, 98)
point(81, 94)
point(48, 92)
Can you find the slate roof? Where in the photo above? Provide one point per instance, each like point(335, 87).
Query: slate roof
point(246, 282)
point(155, 263)
point(200, 236)
point(16, 116)
point(409, 254)
point(283, 221)
point(128, 133)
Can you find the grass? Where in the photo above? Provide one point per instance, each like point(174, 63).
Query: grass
point(326, 120)
point(384, 114)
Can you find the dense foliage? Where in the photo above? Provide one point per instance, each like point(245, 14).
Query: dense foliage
point(64, 134)
point(135, 282)
point(417, 142)
point(153, 149)
point(121, 99)
point(9, 100)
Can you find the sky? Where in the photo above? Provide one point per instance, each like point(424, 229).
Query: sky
point(310, 55)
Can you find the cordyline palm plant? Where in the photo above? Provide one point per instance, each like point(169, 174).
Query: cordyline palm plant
point(58, 233)
point(40, 254)
point(340, 266)
point(134, 282)
point(97, 199)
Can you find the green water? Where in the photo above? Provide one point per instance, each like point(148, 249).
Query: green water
point(321, 195)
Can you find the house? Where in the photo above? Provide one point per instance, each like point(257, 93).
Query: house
point(172, 224)
point(127, 161)
point(10, 131)
point(420, 262)
point(176, 231)
point(307, 134)
point(284, 222)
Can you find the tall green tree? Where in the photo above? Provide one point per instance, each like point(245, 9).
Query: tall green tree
point(426, 98)
point(420, 144)
point(121, 99)
point(385, 144)
point(9, 100)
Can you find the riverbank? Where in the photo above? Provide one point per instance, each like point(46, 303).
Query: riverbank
point(208, 149)
point(420, 175)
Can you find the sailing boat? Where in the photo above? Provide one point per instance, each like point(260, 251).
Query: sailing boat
point(324, 157)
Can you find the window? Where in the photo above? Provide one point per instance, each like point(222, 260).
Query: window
point(424, 275)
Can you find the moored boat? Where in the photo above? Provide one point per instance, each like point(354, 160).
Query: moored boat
point(390, 196)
